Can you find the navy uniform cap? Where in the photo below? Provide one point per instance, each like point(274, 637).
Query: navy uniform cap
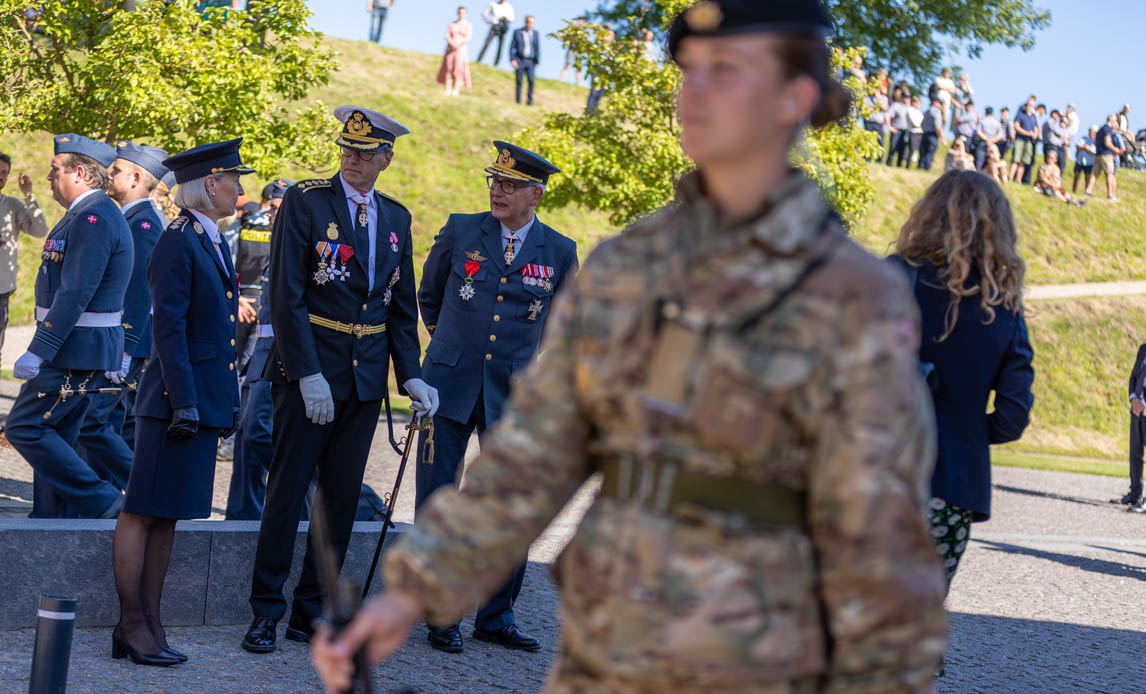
point(149, 158)
point(279, 187)
point(214, 158)
point(365, 130)
point(70, 143)
point(517, 164)
point(731, 17)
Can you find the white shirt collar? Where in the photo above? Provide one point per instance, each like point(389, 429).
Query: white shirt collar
point(134, 203)
point(212, 228)
point(352, 192)
point(75, 202)
point(521, 233)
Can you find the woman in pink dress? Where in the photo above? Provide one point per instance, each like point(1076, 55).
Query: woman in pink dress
point(455, 70)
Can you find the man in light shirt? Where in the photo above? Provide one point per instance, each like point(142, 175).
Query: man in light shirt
point(525, 55)
point(16, 216)
point(498, 15)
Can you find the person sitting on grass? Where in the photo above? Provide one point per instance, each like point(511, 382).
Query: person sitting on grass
point(995, 166)
point(1049, 181)
point(958, 158)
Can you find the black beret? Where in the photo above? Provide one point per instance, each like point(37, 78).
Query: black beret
point(731, 17)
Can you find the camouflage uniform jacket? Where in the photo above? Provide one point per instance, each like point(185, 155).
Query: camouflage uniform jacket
point(817, 392)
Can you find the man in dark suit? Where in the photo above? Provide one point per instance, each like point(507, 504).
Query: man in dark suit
point(104, 437)
point(342, 304)
point(1137, 432)
point(485, 296)
point(87, 263)
point(525, 55)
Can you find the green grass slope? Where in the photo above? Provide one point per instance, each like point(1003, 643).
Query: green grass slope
point(437, 169)
point(1060, 244)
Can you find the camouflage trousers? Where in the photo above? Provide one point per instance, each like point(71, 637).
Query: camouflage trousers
point(951, 530)
point(568, 677)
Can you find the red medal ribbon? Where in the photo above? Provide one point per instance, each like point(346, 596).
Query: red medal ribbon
point(345, 253)
point(472, 268)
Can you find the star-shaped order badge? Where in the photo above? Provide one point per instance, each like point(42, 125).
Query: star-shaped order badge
point(467, 290)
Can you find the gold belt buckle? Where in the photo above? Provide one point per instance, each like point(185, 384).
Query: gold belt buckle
point(358, 330)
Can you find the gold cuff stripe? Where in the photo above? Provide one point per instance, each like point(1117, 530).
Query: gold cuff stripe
point(507, 172)
point(356, 329)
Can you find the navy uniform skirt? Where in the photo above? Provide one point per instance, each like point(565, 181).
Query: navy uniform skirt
point(171, 479)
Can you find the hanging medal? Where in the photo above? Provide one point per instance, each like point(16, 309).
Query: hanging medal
point(467, 291)
point(393, 242)
point(344, 254)
point(389, 293)
point(323, 275)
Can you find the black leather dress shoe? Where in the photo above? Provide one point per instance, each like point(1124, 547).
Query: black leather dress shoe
point(1131, 498)
point(1139, 507)
point(261, 636)
point(447, 639)
point(169, 651)
point(298, 630)
point(510, 637)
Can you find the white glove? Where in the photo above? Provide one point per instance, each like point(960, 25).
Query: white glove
point(423, 397)
point(120, 376)
point(27, 366)
point(316, 396)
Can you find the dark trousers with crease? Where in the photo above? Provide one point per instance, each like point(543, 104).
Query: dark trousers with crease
point(450, 439)
point(44, 432)
point(1137, 441)
point(102, 442)
point(337, 451)
point(253, 452)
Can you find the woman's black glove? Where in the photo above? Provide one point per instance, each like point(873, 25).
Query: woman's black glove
point(229, 431)
point(184, 424)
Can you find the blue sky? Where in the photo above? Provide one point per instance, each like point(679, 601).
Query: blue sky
point(1091, 55)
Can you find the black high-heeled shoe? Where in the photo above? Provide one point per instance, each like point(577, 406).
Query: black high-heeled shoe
point(168, 650)
point(120, 648)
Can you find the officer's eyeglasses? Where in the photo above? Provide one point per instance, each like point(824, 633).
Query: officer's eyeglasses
point(507, 187)
point(348, 153)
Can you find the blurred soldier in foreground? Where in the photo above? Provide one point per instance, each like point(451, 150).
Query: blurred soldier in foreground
point(745, 379)
point(86, 266)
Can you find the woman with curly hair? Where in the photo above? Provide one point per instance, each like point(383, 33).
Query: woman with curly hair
point(959, 244)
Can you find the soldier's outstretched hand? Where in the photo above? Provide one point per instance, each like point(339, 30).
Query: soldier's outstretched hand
point(382, 625)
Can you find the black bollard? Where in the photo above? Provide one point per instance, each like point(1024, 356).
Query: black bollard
point(55, 622)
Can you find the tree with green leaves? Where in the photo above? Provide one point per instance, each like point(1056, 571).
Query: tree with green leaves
point(908, 37)
point(167, 74)
point(625, 156)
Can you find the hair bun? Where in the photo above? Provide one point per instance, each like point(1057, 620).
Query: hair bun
point(835, 104)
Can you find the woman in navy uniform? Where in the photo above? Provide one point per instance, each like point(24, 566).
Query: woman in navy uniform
point(188, 401)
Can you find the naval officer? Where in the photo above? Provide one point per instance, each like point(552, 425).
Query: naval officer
point(485, 294)
point(86, 266)
point(343, 305)
point(107, 435)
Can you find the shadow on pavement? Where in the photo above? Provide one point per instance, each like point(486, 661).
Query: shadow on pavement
point(1100, 566)
point(1003, 654)
point(1051, 495)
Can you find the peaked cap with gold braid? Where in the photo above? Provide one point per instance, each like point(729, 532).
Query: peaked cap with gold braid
point(514, 163)
point(365, 130)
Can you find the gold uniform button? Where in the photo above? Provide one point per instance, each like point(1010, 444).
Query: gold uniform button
point(493, 338)
point(496, 319)
point(230, 295)
point(355, 362)
point(231, 366)
point(363, 307)
point(232, 319)
point(232, 343)
point(488, 357)
point(504, 280)
point(500, 297)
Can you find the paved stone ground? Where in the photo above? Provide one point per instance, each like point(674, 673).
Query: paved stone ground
point(1048, 599)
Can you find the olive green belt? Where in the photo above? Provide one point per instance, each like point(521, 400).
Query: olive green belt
point(669, 488)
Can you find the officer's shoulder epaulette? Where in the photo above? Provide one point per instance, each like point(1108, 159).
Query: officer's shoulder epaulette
point(393, 200)
point(312, 184)
point(178, 223)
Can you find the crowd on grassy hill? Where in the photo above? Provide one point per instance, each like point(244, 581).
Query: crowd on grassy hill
point(912, 129)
